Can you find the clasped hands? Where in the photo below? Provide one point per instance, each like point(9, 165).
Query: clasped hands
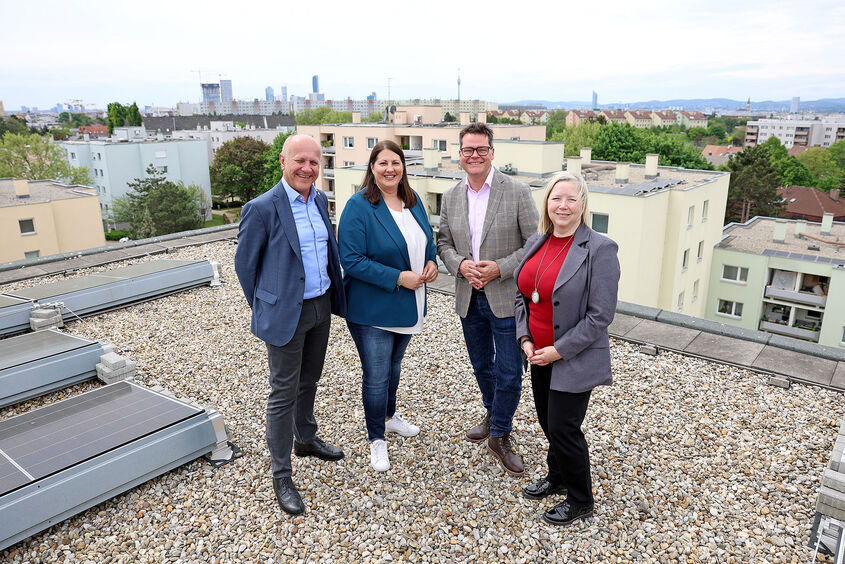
point(540, 357)
point(411, 280)
point(480, 273)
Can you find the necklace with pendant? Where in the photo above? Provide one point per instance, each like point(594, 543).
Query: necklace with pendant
point(535, 295)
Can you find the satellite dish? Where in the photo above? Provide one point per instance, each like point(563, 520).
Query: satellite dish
point(392, 109)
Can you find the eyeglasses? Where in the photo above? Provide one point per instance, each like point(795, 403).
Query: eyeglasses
point(468, 151)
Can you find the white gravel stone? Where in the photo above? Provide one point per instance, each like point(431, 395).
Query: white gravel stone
point(692, 460)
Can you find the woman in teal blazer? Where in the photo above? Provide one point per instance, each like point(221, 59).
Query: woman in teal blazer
point(388, 255)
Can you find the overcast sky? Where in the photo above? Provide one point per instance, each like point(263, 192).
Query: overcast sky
point(103, 51)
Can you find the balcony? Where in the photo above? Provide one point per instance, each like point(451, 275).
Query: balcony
point(805, 298)
point(328, 173)
point(328, 150)
point(790, 331)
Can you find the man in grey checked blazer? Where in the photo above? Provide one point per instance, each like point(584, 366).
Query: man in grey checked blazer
point(485, 220)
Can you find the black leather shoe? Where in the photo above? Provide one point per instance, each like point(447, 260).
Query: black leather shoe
point(565, 514)
point(287, 496)
point(319, 448)
point(542, 489)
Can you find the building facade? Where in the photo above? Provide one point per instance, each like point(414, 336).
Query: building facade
point(125, 157)
point(220, 132)
point(783, 277)
point(796, 132)
point(42, 217)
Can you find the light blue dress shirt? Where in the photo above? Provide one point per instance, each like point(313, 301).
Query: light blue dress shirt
point(313, 241)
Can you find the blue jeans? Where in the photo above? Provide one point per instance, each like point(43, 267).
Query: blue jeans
point(381, 355)
point(496, 361)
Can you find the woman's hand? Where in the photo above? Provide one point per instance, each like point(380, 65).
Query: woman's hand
point(429, 273)
point(528, 348)
point(410, 279)
point(544, 356)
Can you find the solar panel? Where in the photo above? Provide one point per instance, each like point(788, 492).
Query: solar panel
point(36, 363)
point(63, 458)
point(94, 293)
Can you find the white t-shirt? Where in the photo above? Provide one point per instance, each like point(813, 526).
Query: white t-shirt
point(416, 241)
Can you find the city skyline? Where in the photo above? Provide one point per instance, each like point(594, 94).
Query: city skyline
point(721, 50)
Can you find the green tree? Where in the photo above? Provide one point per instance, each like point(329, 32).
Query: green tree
point(753, 186)
point(74, 120)
point(374, 117)
point(675, 153)
point(793, 173)
point(155, 206)
point(555, 123)
point(619, 142)
point(59, 133)
point(822, 165)
point(322, 115)
point(577, 136)
point(12, 124)
point(777, 151)
point(238, 169)
point(133, 116)
point(837, 153)
point(272, 167)
point(717, 130)
point(450, 118)
point(34, 157)
point(116, 116)
point(738, 136)
point(696, 134)
point(490, 118)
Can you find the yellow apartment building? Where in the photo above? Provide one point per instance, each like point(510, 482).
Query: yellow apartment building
point(666, 220)
point(44, 217)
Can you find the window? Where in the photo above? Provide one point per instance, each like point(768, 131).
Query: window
point(371, 142)
point(348, 163)
point(72, 155)
point(680, 302)
point(439, 144)
point(734, 273)
point(685, 262)
point(730, 309)
point(700, 256)
point(27, 226)
point(162, 169)
point(843, 335)
point(348, 142)
point(690, 215)
point(694, 291)
point(705, 207)
point(32, 254)
point(600, 222)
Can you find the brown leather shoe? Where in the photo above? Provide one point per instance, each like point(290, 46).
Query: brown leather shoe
point(480, 431)
point(501, 447)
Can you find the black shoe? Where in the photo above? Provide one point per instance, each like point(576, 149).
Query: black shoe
point(542, 489)
point(319, 448)
point(287, 496)
point(565, 514)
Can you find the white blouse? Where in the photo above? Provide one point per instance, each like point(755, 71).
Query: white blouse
point(416, 241)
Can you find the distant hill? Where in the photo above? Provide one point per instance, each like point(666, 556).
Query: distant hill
point(828, 105)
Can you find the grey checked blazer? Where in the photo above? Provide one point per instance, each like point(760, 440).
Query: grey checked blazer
point(510, 220)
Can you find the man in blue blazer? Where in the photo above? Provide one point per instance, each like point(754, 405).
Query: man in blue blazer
point(287, 264)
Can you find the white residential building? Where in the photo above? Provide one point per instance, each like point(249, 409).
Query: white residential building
point(819, 132)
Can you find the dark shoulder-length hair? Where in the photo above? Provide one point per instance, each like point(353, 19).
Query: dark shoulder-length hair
point(371, 190)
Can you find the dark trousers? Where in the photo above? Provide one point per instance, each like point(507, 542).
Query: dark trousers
point(561, 415)
point(295, 369)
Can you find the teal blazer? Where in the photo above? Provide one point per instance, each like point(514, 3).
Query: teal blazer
point(372, 254)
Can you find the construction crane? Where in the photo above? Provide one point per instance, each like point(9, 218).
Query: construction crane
point(75, 105)
point(199, 73)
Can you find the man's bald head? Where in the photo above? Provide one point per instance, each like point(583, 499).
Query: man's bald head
point(300, 159)
point(298, 142)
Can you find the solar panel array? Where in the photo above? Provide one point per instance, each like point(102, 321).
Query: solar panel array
point(807, 258)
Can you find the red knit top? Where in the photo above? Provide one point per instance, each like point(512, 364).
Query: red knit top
point(543, 268)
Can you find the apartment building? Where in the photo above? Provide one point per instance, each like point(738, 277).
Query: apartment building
point(781, 276)
point(664, 118)
point(452, 107)
point(220, 132)
point(666, 220)
point(42, 217)
point(796, 132)
point(116, 161)
point(349, 144)
point(692, 119)
point(614, 116)
point(639, 118)
point(574, 117)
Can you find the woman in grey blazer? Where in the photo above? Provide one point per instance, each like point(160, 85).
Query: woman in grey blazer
point(568, 281)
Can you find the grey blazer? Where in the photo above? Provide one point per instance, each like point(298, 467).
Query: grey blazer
point(583, 305)
point(510, 220)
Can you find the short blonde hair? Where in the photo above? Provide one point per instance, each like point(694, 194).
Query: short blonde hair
point(546, 225)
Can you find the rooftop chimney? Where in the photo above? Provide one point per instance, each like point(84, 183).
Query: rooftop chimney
point(586, 155)
point(482, 117)
point(651, 166)
point(431, 159)
point(21, 187)
point(622, 172)
point(465, 118)
point(780, 231)
point(573, 165)
point(356, 117)
point(827, 223)
point(834, 194)
point(800, 227)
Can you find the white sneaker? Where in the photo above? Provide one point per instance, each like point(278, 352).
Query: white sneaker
point(401, 427)
point(378, 456)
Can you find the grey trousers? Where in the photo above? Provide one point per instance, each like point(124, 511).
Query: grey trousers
point(295, 369)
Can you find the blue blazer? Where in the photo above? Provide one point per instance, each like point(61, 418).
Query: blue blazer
point(373, 252)
point(268, 262)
